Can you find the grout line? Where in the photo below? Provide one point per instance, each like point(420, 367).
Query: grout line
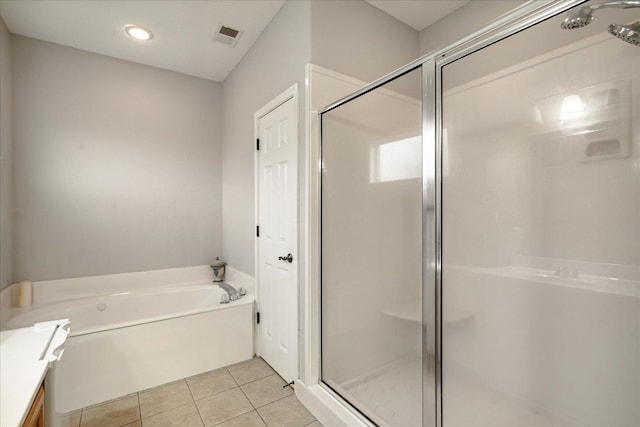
point(167, 410)
point(190, 392)
point(250, 360)
point(237, 416)
point(253, 381)
point(247, 397)
point(257, 379)
point(97, 405)
point(216, 393)
point(253, 406)
point(139, 414)
point(194, 403)
point(274, 371)
point(277, 400)
point(256, 409)
point(229, 371)
point(263, 420)
point(226, 368)
point(139, 407)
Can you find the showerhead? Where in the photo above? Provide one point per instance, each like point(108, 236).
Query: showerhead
point(629, 33)
point(582, 17)
point(578, 18)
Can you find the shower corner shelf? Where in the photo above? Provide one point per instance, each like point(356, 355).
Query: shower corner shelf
point(411, 311)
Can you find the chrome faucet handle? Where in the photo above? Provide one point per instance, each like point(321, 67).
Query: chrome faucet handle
point(242, 291)
point(224, 299)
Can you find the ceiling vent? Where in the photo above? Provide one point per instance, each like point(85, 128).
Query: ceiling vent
point(227, 35)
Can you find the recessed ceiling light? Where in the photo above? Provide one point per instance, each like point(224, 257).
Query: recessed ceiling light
point(137, 32)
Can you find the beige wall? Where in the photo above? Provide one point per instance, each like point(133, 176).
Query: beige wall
point(359, 40)
point(117, 166)
point(6, 143)
point(351, 37)
point(274, 63)
point(69, 114)
point(460, 23)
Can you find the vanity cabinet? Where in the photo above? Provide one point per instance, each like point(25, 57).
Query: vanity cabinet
point(35, 417)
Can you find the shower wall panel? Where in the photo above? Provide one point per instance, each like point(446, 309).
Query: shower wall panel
point(541, 254)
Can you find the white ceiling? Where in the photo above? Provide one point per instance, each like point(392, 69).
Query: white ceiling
point(183, 29)
point(418, 14)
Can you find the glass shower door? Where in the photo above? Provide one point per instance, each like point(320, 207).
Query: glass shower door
point(371, 252)
point(541, 229)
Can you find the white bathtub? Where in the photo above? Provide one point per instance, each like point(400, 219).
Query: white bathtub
point(129, 341)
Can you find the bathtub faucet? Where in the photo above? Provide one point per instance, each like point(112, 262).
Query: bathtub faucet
point(233, 294)
point(230, 290)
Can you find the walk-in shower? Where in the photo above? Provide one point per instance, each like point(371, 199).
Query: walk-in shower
point(480, 242)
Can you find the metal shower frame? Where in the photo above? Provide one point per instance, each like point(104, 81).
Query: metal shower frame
point(521, 18)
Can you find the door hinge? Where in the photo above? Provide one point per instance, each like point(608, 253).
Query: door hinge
point(258, 144)
point(257, 231)
point(258, 317)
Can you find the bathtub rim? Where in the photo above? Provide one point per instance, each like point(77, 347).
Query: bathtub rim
point(249, 298)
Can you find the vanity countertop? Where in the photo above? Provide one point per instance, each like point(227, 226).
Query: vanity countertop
point(22, 370)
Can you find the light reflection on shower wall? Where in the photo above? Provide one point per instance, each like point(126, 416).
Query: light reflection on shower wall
point(371, 253)
point(541, 252)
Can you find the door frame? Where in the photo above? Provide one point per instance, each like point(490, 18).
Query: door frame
point(289, 94)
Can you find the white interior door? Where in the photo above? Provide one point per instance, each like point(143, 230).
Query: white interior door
point(277, 241)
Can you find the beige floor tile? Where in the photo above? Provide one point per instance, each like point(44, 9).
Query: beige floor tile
point(182, 416)
point(134, 424)
point(74, 418)
point(316, 423)
point(211, 382)
point(287, 412)
point(250, 419)
point(266, 390)
point(223, 406)
point(114, 413)
point(161, 399)
point(250, 370)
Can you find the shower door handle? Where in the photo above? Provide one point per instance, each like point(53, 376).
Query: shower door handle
point(288, 258)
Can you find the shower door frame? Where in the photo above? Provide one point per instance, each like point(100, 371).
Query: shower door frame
point(519, 19)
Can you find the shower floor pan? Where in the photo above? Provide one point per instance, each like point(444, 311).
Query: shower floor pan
point(394, 395)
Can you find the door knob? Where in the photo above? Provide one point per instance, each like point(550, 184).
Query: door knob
point(288, 258)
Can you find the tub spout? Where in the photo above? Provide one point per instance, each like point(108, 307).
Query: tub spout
point(230, 290)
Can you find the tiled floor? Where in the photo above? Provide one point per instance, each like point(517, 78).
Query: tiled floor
point(249, 394)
